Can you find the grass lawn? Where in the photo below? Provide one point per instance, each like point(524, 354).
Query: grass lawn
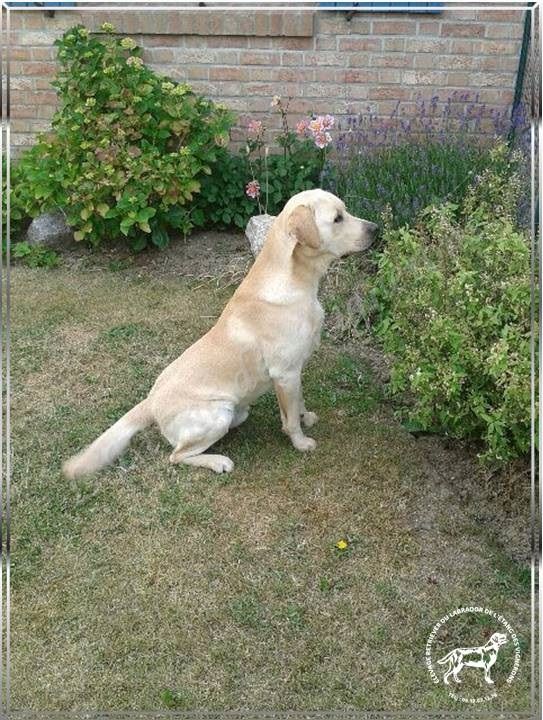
point(152, 586)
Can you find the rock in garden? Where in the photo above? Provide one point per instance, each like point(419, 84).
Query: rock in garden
point(50, 230)
point(257, 230)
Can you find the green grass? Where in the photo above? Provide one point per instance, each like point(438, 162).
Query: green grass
point(154, 586)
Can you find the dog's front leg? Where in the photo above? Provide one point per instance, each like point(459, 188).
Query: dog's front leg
point(289, 396)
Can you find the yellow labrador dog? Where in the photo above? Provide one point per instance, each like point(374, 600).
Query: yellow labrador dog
point(262, 340)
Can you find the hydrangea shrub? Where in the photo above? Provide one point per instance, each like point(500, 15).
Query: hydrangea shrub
point(128, 147)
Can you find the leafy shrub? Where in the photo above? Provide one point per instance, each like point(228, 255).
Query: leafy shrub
point(256, 180)
point(16, 214)
point(223, 200)
point(35, 255)
point(453, 293)
point(128, 147)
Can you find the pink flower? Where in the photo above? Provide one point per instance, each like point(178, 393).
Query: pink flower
point(253, 189)
point(321, 123)
point(276, 101)
point(315, 126)
point(301, 127)
point(322, 139)
point(328, 122)
point(255, 127)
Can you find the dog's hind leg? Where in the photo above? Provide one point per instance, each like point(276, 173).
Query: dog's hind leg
point(197, 430)
point(240, 416)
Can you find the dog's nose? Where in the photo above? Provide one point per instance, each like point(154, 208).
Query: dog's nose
point(372, 228)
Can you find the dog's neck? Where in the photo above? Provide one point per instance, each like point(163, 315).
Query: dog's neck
point(309, 266)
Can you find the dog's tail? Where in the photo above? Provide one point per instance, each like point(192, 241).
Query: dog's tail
point(447, 658)
point(110, 444)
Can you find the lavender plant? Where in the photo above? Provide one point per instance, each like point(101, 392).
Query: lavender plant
point(406, 163)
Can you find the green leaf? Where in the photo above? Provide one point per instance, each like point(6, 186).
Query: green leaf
point(160, 237)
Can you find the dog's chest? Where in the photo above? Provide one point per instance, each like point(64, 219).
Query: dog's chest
point(302, 332)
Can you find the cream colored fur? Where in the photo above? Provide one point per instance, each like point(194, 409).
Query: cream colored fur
point(262, 340)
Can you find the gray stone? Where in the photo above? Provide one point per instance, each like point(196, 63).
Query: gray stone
point(257, 231)
point(50, 230)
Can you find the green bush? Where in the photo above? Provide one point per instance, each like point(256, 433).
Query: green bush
point(223, 201)
point(33, 256)
point(256, 180)
point(453, 297)
point(128, 147)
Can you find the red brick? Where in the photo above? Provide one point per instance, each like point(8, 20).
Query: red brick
point(431, 45)
point(428, 28)
point(159, 55)
point(226, 42)
point(425, 77)
point(295, 43)
point(42, 82)
point(259, 43)
point(506, 47)
point(359, 76)
point(326, 42)
point(504, 16)
point(390, 76)
point(267, 89)
point(394, 27)
point(292, 59)
point(164, 41)
point(225, 73)
point(388, 93)
point(465, 47)
point(459, 80)
point(392, 44)
point(295, 74)
point(44, 53)
point(500, 31)
point(364, 44)
point(20, 53)
point(324, 58)
point(262, 58)
point(31, 69)
point(31, 20)
point(25, 111)
point(467, 30)
point(393, 60)
point(45, 111)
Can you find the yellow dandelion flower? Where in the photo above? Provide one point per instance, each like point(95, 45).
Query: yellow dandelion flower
point(342, 544)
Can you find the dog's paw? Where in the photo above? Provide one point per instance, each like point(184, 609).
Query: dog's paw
point(303, 443)
point(309, 419)
point(221, 464)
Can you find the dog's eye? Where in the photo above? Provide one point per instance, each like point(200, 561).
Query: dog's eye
point(338, 218)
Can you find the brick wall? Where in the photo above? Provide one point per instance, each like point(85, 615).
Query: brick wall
point(319, 58)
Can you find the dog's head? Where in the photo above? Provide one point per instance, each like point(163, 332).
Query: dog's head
point(318, 221)
point(498, 638)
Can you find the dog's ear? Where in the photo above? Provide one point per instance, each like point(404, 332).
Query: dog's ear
point(301, 226)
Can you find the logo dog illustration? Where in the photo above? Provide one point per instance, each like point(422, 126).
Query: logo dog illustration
point(479, 657)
